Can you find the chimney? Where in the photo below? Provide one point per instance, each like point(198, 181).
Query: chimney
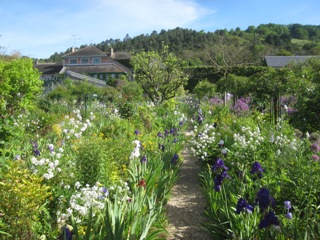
point(111, 52)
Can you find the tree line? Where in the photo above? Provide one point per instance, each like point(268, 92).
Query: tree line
point(190, 45)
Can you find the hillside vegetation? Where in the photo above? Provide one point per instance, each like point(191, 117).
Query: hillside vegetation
point(191, 45)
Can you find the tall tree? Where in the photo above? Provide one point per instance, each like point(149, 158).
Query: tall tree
point(160, 75)
point(19, 84)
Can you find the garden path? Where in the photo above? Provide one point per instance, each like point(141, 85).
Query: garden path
point(186, 206)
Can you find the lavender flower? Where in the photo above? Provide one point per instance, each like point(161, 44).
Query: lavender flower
point(288, 215)
point(287, 205)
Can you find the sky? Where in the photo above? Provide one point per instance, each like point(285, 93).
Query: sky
point(40, 28)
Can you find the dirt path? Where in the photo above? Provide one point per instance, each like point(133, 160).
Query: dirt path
point(185, 209)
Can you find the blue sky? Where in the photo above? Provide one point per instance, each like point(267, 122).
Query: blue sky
point(39, 28)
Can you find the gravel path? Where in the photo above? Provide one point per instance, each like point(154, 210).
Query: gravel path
point(185, 209)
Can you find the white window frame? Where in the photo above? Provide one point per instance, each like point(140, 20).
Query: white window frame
point(73, 61)
point(84, 59)
point(96, 60)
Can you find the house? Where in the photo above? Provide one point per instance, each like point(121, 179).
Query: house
point(282, 61)
point(95, 63)
point(88, 63)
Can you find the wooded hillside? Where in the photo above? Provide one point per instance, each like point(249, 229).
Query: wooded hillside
point(253, 42)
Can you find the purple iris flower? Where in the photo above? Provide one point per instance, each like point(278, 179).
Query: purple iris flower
point(174, 158)
point(160, 135)
point(257, 168)
point(219, 179)
point(36, 152)
point(136, 132)
point(143, 159)
point(288, 215)
point(243, 205)
point(219, 164)
point(161, 146)
point(287, 205)
point(264, 199)
point(269, 219)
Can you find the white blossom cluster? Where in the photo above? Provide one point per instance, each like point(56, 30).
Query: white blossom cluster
point(121, 191)
point(85, 198)
point(283, 141)
point(136, 151)
point(181, 117)
point(95, 197)
point(201, 141)
point(75, 126)
point(113, 113)
point(247, 139)
point(45, 166)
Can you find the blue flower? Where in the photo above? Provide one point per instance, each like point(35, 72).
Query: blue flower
point(243, 205)
point(269, 219)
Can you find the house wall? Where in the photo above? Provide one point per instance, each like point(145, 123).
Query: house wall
point(103, 60)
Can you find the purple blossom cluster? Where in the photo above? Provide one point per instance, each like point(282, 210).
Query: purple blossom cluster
point(217, 101)
point(219, 165)
point(242, 105)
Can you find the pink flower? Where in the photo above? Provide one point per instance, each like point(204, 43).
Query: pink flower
point(315, 147)
point(315, 157)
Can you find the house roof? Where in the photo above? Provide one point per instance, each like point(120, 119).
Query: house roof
point(86, 52)
point(49, 68)
point(281, 61)
point(105, 68)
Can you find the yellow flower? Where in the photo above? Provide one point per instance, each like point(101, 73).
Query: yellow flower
point(56, 128)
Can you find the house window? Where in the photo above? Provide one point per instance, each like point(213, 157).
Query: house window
point(96, 60)
point(84, 60)
point(73, 61)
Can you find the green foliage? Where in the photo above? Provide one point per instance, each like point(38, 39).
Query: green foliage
point(159, 75)
point(204, 89)
point(19, 85)
point(89, 160)
point(22, 201)
point(283, 155)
